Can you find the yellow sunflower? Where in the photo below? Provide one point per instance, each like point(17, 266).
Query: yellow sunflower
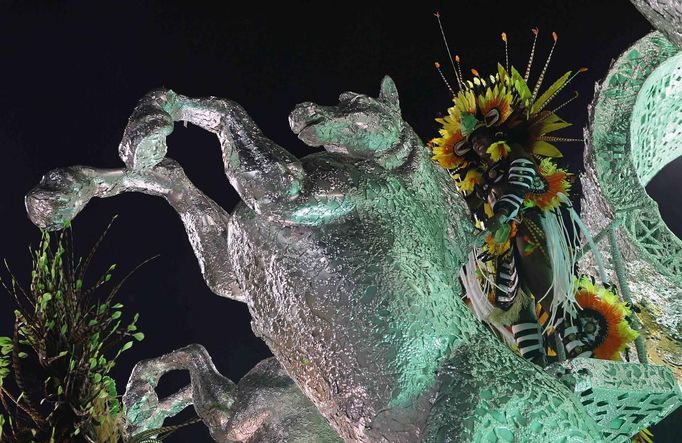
point(473, 177)
point(497, 248)
point(443, 147)
point(498, 150)
point(557, 181)
point(495, 102)
point(614, 314)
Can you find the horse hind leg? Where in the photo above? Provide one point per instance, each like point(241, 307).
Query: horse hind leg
point(265, 406)
point(212, 394)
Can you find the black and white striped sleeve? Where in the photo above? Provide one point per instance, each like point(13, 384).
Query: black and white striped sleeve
point(519, 180)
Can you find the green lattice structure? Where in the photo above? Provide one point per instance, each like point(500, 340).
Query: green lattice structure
point(633, 139)
point(621, 410)
point(656, 128)
point(636, 129)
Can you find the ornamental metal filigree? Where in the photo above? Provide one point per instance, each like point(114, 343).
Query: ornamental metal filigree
point(635, 130)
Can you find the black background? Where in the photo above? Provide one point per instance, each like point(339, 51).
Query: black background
point(71, 73)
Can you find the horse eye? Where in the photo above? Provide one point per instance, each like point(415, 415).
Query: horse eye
point(347, 96)
point(491, 117)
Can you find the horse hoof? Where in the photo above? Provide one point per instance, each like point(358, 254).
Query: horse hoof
point(58, 198)
point(144, 140)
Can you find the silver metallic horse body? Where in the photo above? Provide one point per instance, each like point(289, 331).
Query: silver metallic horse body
point(347, 260)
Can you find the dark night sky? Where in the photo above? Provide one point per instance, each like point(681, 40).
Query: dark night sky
point(73, 71)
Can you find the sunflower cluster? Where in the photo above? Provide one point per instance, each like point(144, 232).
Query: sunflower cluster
point(606, 318)
point(555, 182)
point(499, 243)
point(502, 113)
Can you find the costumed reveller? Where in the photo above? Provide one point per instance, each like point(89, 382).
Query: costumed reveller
point(497, 142)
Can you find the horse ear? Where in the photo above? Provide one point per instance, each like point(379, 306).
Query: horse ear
point(389, 93)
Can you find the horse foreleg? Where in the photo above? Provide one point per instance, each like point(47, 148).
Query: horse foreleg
point(63, 193)
point(264, 174)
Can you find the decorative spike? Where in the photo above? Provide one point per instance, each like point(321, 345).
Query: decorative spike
point(544, 69)
point(447, 47)
point(444, 79)
point(459, 69)
point(506, 51)
point(549, 138)
point(475, 72)
point(553, 96)
point(535, 31)
point(575, 95)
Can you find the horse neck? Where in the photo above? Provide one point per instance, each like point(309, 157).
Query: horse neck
point(409, 150)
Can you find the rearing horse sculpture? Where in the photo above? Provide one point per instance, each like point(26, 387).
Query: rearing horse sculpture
point(348, 262)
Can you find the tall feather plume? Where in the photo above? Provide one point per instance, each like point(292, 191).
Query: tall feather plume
point(447, 48)
point(447, 84)
point(550, 138)
point(535, 32)
point(575, 95)
point(459, 70)
point(561, 88)
point(544, 69)
point(506, 51)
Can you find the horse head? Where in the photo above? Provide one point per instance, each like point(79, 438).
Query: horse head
point(359, 126)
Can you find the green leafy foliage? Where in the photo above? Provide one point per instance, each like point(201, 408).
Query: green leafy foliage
point(521, 87)
point(468, 123)
point(54, 382)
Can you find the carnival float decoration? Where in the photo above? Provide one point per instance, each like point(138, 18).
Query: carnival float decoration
point(401, 306)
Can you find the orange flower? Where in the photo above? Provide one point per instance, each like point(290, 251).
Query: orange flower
point(614, 312)
point(444, 149)
point(498, 249)
point(557, 180)
point(472, 178)
point(498, 99)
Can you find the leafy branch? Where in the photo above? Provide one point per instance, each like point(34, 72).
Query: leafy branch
point(54, 382)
